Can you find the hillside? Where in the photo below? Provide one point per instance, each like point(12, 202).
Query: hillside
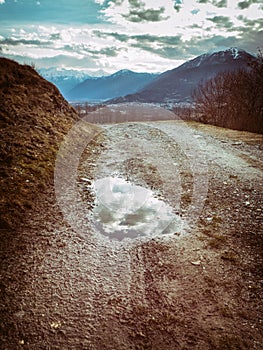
point(102, 88)
point(34, 117)
point(177, 85)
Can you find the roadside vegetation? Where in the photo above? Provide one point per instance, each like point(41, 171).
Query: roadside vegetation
point(233, 99)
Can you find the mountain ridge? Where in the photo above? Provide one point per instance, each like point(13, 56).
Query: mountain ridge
point(176, 85)
point(117, 84)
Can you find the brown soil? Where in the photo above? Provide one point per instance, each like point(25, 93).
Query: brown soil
point(66, 289)
point(34, 117)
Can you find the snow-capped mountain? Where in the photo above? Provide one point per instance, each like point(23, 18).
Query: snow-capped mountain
point(232, 56)
point(64, 79)
point(177, 85)
point(118, 84)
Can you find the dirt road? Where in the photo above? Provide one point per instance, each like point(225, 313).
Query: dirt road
point(193, 283)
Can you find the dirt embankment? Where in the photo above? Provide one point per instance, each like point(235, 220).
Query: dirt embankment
point(34, 117)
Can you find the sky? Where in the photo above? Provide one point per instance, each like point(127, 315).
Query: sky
point(103, 36)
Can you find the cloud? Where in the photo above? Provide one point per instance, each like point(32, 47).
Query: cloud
point(250, 24)
point(168, 47)
point(142, 35)
point(222, 22)
point(174, 48)
point(167, 52)
point(116, 2)
point(217, 3)
point(246, 4)
point(149, 15)
point(177, 5)
point(168, 40)
point(136, 11)
point(55, 36)
point(118, 36)
point(58, 61)
point(220, 3)
point(107, 51)
point(2, 2)
point(136, 3)
point(144, 39)
point(14, 42)
point(139, 13)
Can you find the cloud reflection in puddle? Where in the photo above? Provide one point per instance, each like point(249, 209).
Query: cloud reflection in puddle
point(127, 211)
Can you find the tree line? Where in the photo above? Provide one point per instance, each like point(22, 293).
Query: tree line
point(233, 99)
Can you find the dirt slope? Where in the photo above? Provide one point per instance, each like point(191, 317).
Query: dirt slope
point(34, 117)
point(76, 289)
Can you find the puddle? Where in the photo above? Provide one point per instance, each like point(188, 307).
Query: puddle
point(127, 211)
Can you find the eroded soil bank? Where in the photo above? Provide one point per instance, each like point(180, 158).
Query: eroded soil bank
point(68, 289)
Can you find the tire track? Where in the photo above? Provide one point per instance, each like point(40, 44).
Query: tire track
point(142, 153)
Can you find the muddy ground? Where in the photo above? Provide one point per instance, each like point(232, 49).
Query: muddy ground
point(199, 288)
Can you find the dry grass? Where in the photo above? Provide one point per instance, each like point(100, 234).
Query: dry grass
point(34, 118)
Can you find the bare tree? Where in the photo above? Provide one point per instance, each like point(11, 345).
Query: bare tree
point(78, 108)
point(233, 99)
point(210, 98)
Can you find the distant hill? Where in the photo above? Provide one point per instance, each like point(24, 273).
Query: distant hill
point(177, 85)
point(34, 118)
point(63, 79)
point(102, 88)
